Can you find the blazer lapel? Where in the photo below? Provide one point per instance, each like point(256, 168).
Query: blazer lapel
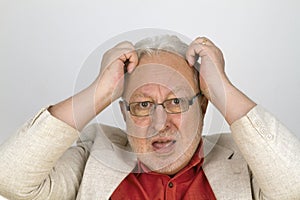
point(226, 171)
point(105, 169)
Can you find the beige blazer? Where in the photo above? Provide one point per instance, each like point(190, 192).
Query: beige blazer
point(260, 159)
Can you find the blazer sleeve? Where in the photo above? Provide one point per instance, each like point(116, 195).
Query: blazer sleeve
point(38, 161)
point(272, 153)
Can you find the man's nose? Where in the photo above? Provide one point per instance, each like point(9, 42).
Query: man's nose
point(159, 118)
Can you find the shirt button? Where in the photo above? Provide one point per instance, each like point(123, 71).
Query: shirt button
point(170, 185)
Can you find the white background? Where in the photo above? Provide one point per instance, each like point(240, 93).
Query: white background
point(43, 45)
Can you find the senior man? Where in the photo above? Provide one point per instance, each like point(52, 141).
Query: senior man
point(162, 155)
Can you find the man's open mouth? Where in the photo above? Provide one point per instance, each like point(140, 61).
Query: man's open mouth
point(163, 146)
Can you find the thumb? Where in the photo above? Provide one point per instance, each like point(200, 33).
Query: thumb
point(190, 59)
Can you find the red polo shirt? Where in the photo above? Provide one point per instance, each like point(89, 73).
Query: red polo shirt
point(188, 183)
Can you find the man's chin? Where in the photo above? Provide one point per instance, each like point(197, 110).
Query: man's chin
point(169, 169)
point(163, 163)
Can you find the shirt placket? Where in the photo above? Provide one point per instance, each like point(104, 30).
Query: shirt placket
point(170, 190)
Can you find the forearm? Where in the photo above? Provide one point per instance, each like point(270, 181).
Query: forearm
point(230, 101)
point(81, 108)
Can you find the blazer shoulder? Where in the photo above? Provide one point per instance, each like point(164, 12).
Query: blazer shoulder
point(97, 130)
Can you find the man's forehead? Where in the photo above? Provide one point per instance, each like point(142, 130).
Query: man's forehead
point(148, 76)
point(150, 90)
point(163, 68)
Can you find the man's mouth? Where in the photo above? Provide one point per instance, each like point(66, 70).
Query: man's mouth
point(163, 146)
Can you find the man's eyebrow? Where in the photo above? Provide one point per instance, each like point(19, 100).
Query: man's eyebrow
point(139, 95)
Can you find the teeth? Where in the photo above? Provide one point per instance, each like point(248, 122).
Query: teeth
point(163, 142)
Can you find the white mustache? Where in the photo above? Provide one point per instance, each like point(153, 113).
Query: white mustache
point(152, 134)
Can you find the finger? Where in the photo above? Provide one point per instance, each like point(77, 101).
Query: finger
point(133, 61)
point(117, 53)
point(124, 45)
point(190, 55)
point(203, 41)
point(195, 49)
point(128, 55)
point(130, 60)
point(193, 52)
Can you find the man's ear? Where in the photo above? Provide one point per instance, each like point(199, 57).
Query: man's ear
point(203, 104)
point(122, 107)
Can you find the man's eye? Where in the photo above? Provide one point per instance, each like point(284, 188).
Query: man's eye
point(144, 104)
point(176, 101)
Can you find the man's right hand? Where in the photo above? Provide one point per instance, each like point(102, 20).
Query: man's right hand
point(115, 62)
point(78, 110)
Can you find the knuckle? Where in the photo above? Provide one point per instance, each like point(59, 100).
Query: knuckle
point(125, 44)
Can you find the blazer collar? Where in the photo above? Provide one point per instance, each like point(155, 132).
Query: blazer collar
point(107, 165)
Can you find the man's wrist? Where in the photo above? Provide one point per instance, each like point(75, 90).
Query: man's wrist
point(231, 102)
point(103, 96)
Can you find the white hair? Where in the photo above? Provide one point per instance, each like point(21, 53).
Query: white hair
point(154, 44)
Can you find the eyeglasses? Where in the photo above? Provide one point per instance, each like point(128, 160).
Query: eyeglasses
point(171, 106)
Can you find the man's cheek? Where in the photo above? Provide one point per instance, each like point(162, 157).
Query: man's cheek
point(176, 119)
point(137, 124)
point(135, 129)
point(140, 122)
point(190, 125)
point(137, 144)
